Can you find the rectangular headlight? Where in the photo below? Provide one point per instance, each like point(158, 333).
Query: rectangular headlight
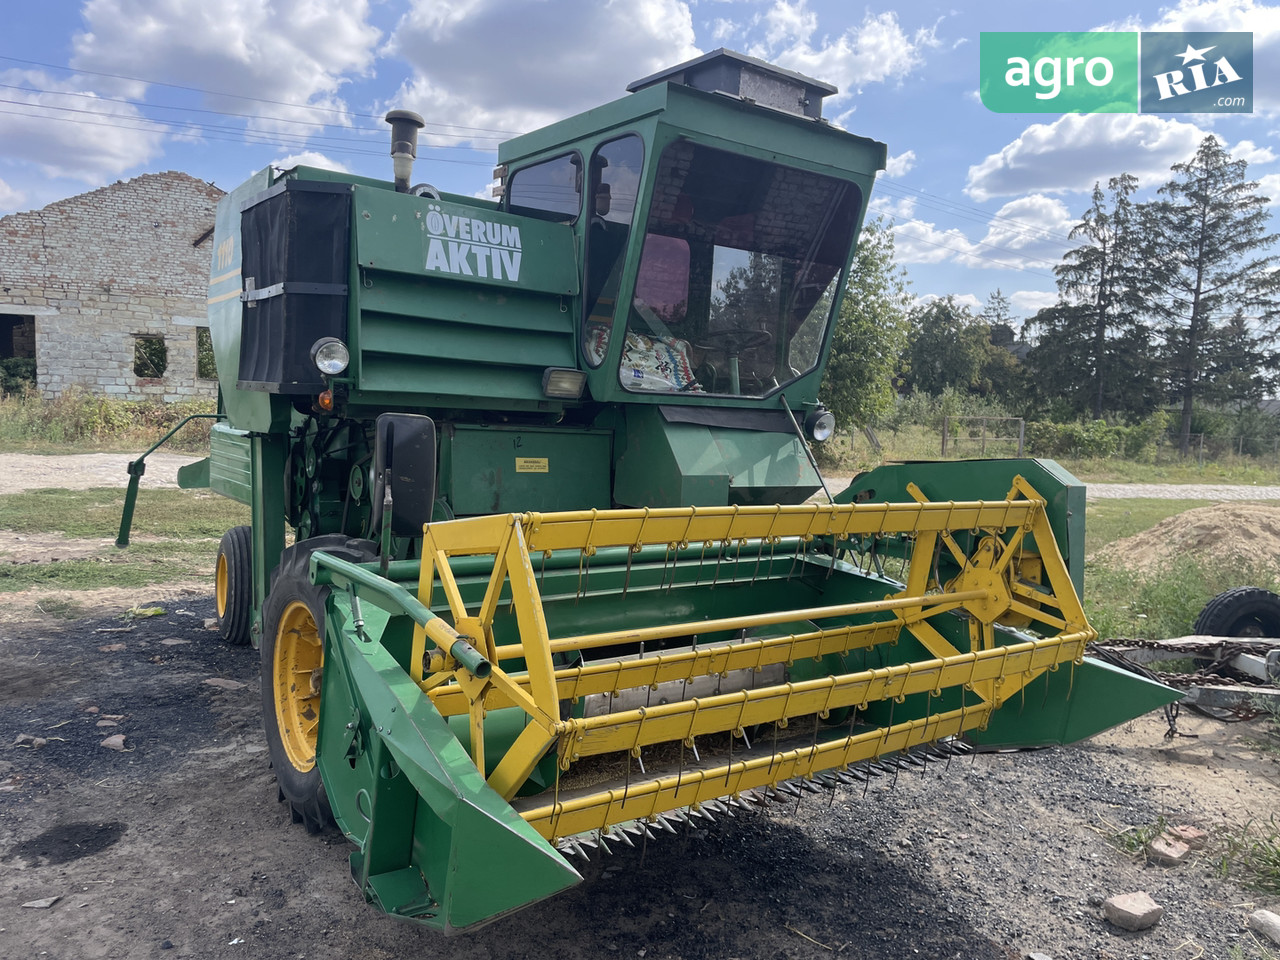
point(563, 383)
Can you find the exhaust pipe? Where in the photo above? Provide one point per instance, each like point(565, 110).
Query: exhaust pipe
point(405, 125)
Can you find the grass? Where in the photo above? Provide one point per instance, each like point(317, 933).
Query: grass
point(175, 514)
point(1135, 840)
point(1165, 602)
point(852, 453)
point(1159, 604)
point(176, 537)
point(1252, 855)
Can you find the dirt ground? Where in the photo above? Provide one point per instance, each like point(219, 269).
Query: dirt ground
point(175, 846)
point(1248, 532)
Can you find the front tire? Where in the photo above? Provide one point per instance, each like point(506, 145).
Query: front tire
point(1242, 612)
point(233, 585)
point(292, 666)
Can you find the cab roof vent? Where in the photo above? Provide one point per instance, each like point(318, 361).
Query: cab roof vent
point(737, 75)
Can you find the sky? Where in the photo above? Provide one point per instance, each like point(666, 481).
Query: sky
point(95, 91)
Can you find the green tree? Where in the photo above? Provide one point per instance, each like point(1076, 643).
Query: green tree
point(1064, 347)
point(1241, 366)
point(870, 332)
point(1211, 230)
point(1104, 278)
point(948, 347)
point(1002, 373)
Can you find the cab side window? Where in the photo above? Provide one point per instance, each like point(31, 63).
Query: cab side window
point(550, 190)
point(613, 188)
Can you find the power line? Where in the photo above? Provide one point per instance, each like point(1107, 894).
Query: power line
point(208, 132)
point(96, 98)
point(241, 96)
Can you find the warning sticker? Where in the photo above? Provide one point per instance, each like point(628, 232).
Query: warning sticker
point(532, 465)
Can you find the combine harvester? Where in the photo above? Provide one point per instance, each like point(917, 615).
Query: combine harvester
point(556, 583)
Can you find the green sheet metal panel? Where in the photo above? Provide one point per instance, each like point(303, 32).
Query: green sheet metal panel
point(502, 469)
point(686, 464)
point(450, 241)
point(230, 463)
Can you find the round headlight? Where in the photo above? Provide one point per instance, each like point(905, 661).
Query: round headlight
point(820, 424)
point(330, 356)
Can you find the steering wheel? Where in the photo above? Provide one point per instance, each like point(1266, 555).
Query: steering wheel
point(734, 340)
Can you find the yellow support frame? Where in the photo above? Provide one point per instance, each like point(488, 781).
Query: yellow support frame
point(988, 591)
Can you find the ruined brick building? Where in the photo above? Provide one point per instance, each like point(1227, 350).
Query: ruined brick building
point(106, 290)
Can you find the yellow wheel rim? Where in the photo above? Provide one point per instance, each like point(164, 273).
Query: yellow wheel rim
point(299, 660)
point(221, 584)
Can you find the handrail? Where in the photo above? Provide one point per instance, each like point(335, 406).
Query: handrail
point(138, 467)
point(327, 569)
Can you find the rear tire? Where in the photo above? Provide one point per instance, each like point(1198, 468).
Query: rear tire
point(233, 585)
point(1242, 612)
point(292, 653)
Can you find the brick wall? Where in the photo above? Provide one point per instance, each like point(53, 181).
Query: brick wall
point(99, 270)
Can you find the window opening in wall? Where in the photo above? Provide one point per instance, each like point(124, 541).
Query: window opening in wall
point(206, 369)
point(17, 353)
point(150, 356)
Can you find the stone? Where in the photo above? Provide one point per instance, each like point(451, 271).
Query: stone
point(1193, 837)
point(114, 742)
point(1132, 911)
point(1266, 923)
point(1166, 852)
point(223, 684)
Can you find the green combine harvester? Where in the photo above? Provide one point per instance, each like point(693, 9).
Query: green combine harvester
point(556, 582)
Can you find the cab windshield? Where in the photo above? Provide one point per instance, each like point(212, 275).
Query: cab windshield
point(737, 276)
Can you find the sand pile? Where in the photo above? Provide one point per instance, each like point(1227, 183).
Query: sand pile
point(1221, 532)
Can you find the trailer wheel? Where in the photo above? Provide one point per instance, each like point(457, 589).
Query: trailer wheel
point(1242, 612)
point(292, 653)
point(233, 585)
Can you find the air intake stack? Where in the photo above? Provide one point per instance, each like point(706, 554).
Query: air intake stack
point(737, 75)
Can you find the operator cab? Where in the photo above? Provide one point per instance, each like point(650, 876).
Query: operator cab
point(716, 212)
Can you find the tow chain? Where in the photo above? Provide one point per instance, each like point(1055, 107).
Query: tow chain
point(1204, 676)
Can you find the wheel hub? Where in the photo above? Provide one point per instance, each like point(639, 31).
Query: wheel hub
point(298, 666)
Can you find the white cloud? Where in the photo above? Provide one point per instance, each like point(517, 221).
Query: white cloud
point(1030, 301)
point(69, 131)
point(722, 30)
point(1029, 233)
point(290, 51)
point(875, 51)
point(10, 198)
point(900, 165)
point(1269, 186)
point(489, 64)
point(1034, 226)
point(1077, 150)
point(1250, 152)
point(309, 158)
point(896, 208)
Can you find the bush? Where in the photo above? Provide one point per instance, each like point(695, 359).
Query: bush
point(929, 410)
point(17, 374)
point(80, 417)
point(1091, 440)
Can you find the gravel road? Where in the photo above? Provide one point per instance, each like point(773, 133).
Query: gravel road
point(81, 471)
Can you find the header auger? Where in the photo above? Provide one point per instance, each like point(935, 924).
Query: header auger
point(555, 584)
